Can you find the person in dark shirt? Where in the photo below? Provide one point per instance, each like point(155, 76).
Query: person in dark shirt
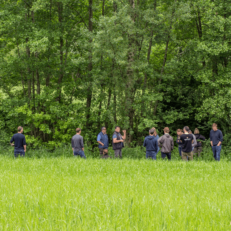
point(178, 141)
point(199, 138)
point(77, 144)
point(216, 138)
point(151, 144)
point(19, 142)
point(187, 140)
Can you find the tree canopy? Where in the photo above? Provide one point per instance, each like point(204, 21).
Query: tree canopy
point(133, 63)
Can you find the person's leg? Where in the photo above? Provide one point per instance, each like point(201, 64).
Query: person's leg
point(147, 154)
point(218, 152)
point(190, 156)
point(199, 151)
point(22, 154)
point(214, 151)
point(169, 155)
point(117, 153)
point(184, 156)
point(195, 150)
point(120, 153)
point(101, 152)
point(82, 155)
point(163, 155)
point(15, 154)
point(154, 155)
point(180, 151)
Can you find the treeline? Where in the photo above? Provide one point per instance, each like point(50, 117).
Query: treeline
point(134, 63)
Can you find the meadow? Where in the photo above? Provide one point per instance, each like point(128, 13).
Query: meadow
point(129, 194)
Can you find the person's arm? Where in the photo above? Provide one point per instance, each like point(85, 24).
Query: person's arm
point(24, 144)
point(144, 143)
point(11, 141)
point(194, 142)
point(220, 139)
point(172, 144)
point(82, 146)
point(98, 140)
point(178, 141)
point(124, 136)
point(160, 142)
point(210, 136)
point(115, 141)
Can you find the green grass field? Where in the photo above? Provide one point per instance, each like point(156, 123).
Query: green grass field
point(94, 194)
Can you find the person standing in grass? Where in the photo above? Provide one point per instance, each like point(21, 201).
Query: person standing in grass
point(199, 137)
point(166, 144)
point(216, 138)
point(194, 144)
point(178, 141)
point(102, 139)
point(186, 140)
point(77, 144)
point(19, 142)
point(151, 144)
point(157, 137)
point(117, 142)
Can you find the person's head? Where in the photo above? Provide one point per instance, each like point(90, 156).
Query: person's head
point(20, 129)
point(166, 130)
point(103, 130)
point(117, 129)
point(151, 132)
point(214, 127)
point(186, 129)
point(196, 131)
point(78, 130)
point(155, 132)
point(179, 132)
point(189, 132)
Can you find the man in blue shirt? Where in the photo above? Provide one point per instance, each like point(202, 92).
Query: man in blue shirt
point(151, 144)
point(216, 138)
point(102, 139)
point(117, 142)
point(19, 142)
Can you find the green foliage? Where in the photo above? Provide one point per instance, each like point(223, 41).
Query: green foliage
point(137, 64)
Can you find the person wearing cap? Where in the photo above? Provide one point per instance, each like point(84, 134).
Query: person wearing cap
point(151, 144)
point(166, 144)
point(19, 142)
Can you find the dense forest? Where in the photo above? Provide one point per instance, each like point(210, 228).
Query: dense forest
point(133, 63)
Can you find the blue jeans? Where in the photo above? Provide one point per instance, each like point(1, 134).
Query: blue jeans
point(216, 152)
point(151, 154)
point(20, 152)
point(163, 155)
point(80, 153)
point(180, 150)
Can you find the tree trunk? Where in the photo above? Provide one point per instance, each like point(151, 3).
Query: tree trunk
point(89, 89)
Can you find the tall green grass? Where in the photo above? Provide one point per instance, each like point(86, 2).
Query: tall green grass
point(130, 194)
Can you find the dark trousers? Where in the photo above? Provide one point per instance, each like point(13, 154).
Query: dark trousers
point(151, 154)
point(118, 153)
point(80, 153)
point(163, 155)
point(21, 153)
point(216, 152)
point(197, 150)
point(180, 150)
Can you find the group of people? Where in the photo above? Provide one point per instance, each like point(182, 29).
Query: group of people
point(189, 144)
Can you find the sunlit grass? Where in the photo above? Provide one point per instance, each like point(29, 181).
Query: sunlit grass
point(93, 194)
